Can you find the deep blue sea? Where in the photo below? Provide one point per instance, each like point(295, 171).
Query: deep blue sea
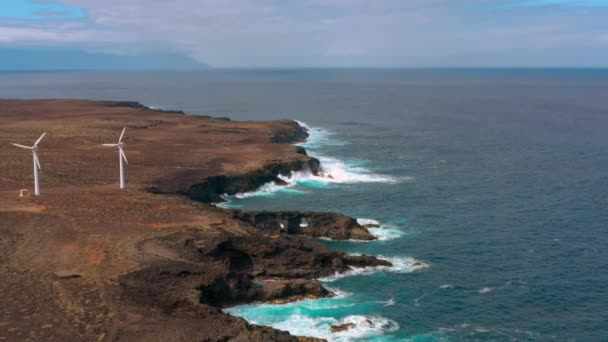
point(496, 179)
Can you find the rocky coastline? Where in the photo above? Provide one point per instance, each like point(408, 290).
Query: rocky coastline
point(158, 261)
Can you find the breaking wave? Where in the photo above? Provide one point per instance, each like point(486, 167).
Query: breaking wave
point(383, 232)
point(320, 327)
point(334, 171)
point(297, 320)
point(400, 265)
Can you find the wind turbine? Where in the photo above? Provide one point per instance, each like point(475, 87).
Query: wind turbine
point(121, 157)
point(37, 167)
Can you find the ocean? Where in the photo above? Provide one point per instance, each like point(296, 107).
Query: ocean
point(495, 178)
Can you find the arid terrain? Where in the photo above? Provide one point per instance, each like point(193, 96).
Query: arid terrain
point(86, 261)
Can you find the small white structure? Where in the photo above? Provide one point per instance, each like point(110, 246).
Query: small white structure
point(121, 157)
point(37, 166)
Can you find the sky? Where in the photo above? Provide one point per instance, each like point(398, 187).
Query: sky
point(312, 33)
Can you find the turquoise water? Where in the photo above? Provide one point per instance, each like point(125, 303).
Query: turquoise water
point(494, 178)
point(383, 302)
point(315, 317)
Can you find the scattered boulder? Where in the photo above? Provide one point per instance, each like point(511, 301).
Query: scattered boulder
point(419, 265)
point(341, 327)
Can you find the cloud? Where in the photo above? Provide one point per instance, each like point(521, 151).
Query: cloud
point(268, 33)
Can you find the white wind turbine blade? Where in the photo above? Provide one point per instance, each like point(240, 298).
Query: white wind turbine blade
point(37, 160)
point(111, 145)
point(124, 156)
point(40, 139)
point(22, 146)
point(122, 134)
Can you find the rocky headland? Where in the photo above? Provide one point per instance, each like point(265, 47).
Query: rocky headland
point(86, 261)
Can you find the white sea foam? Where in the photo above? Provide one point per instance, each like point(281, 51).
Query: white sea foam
point(334, 171)
point(318, 136)
point(485, 290)
point(320, 327)
point(400, 265)
point(385, 233)
point(227, 204)
point(382, 233)
point(364, 221)
point(337, 170)
point(268, 189)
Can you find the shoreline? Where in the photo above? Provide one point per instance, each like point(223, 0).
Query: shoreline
point(173, 255)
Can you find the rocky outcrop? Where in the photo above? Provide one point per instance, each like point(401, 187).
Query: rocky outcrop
point(124, 104)
point(293, 134)
point(334, 226)
point(341, 327)
point(137, 105)
point(224, 270)
point(284, 291)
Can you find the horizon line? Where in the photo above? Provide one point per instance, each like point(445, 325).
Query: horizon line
point(253, 68)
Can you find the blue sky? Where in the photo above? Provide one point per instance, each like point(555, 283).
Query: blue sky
point(29, 10)
point(316, 33)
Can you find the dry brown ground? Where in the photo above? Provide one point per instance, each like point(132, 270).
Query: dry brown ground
point(61, 253)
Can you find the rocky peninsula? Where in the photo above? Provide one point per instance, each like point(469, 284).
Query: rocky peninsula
point(86, 261)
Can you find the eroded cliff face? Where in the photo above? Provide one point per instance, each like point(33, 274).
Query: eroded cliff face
point(211, 189)
point(148, 263)
point(224, 270)
point(207, 272)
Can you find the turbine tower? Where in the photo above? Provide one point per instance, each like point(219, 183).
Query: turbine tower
point(37, 167)
point(121, 157)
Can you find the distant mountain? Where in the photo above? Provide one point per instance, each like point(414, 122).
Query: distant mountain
point(12, 59)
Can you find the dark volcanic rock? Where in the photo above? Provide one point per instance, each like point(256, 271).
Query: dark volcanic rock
point(137, 105)
point(211, 189)
point(294, 134)
point(341, 327)
point(221, 270)
point(283, 291)
point(126, 104)
point(328, 225)
point(365, 261)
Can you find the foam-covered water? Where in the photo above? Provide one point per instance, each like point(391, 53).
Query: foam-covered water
point(401, 264)
point(384, 231)
point(316, 317)
point(334, 172)
point(297, 318)
point(495, 178)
